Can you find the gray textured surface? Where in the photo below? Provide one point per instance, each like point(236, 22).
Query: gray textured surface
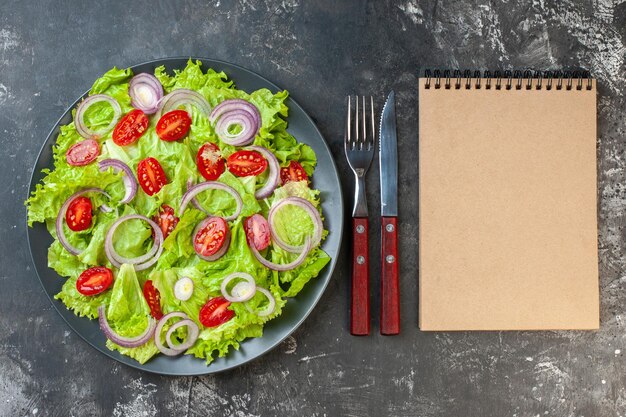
point(51, 52)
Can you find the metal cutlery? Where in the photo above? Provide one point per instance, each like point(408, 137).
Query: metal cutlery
point(388, 159)
point(359, 145)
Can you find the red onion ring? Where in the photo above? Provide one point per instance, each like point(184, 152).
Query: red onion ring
point(129, 342)
point(145, 84)
point(130, 184)
point(192, 335)
point(274, 172)
point(79, 123)
point(311, 211)
point(140, 262)
point(270, 307)
point(234, 104)
point(212, 185)
point(181, 97)
point(236, 111)
point(235, 298)
point(159, 328)
point(233, 118)
point(61, 216)
point(220, 252)
point(240, 288)
point(284, 267)
point(194, 202)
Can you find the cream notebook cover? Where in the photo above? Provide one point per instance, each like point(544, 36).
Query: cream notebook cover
point(507, 206)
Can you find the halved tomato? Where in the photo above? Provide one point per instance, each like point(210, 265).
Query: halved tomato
point(257, 231)
point(294, 172)
point(151, 176)
point(215, 312)
point(78, 215)
point(246, 163)
point(153, 297)
point(130, 128)
point(211, 236)
point(82, 153)
point(166, 220)
point(210, 162)
point(173, 125)
point(94, 280)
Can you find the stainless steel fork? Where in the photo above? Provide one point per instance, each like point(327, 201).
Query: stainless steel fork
point(359, 145)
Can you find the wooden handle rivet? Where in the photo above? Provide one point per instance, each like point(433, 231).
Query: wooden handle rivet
point(360, 229)
point(389, 227)
point(360, 260)
point(390, 259)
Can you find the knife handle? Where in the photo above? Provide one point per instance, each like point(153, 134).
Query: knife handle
point(360, 302)
point(390, 292)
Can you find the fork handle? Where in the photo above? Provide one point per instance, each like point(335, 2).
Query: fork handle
point(390, 294)
point(360, 302)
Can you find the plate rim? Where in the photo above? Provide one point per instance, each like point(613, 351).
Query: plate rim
point(330, 269)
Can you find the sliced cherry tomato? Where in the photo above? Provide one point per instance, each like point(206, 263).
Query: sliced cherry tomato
point(257, 231)
point(153, 297)
point(294, 172)
point(173, 125)
point(130, 128)
point(166, 220)
point(78, 215)
point(82, 153)
point(246, 163)
point(94, 280)
point(210, 162)
point(151, 176)
point(211, 236)
point(215, 312)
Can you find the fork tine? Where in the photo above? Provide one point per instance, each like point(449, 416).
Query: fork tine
point(348, 138)
point(372, 141)
point(363, 123)
point(357, 139)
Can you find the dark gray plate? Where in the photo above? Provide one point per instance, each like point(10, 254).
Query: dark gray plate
point(297, 309)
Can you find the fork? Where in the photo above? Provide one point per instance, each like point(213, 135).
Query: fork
point(359, 145)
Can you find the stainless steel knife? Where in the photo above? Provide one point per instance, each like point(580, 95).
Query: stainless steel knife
point(388, 158)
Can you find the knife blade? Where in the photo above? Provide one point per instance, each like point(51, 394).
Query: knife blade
point(388, 160)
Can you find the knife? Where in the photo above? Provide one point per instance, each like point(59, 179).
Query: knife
point(388, 159)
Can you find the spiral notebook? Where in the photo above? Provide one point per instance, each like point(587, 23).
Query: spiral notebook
point(507, 203)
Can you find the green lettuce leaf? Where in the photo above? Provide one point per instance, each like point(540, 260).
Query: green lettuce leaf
point(298, 277)
point(128, 314)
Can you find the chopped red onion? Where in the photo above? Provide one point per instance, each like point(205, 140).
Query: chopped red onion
point(274, 172)
point(130, 183)
point(140, 262)
point(145, 91)
point(310, 210)
point(169, 351)
point(129, 342)
point(79, 122)
point(242, 294)
point(283, 267)
point(183, 97)
point(194, 190)
point(236, 112)
point(269, 309)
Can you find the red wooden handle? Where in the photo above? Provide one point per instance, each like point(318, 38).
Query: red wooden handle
point(360, 305)
point(390, 292)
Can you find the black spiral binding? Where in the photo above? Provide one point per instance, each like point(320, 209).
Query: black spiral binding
point(508, 80)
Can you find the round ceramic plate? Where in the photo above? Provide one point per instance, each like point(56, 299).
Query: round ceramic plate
point(297, 309)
